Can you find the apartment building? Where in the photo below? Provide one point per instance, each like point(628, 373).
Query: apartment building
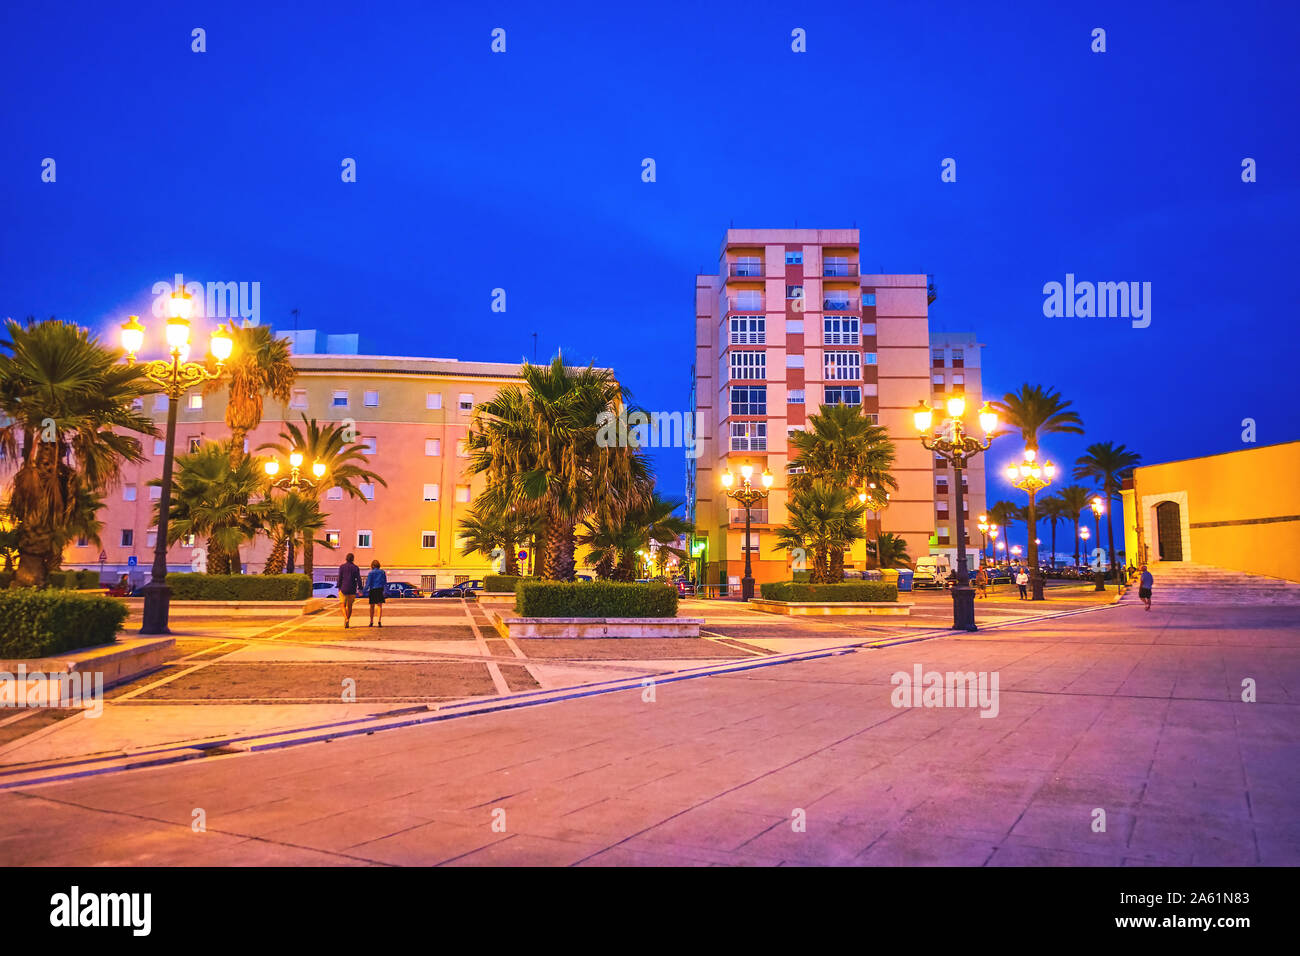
point(955, 370)
point(790, 322)
point(412, 415)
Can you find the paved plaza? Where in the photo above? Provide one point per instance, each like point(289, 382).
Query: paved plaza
point(1120, 737)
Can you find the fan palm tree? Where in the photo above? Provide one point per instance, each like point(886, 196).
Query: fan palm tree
point(614, 541)
point(492, 533)
point(1053, 509)
point(889, 551)
point(68, 401)
point(210, 499)
point(83, 523)
point(841, 444)
point(541, 449)
point(294, 516)
point(345, 465)
point(1074, 499)
point(1005, 514)
point(823, 518)
point(259, 365)
point(1108, 465)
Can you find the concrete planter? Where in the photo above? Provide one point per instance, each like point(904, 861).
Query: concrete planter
point(496, 597)
point(829, 607)
point(121, 661)
point(570, 627)
point(311, 605)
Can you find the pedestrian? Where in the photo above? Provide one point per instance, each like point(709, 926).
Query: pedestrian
point(349, 585)
point(1144, 587)
point(982, 583)
point(376, 582)
point(1022, 581)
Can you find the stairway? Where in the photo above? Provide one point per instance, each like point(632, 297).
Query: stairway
point(1180, 582)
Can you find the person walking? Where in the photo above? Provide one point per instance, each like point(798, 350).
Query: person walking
point(1022, 581)
point(982, 583)
point(1144, 586)
point(349, 585)
point(376, 582)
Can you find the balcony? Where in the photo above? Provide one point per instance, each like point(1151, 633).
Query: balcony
point(839, 270)
point(744, 303)
point(840, 303)
point(736, 516)
point(745, 270)
point(931, 293)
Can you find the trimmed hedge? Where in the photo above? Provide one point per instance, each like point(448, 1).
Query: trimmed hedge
point(77, 580)
point(503, 582)
point(239, 587)
point(39, 623)
point(829, 593)
point(594, 599)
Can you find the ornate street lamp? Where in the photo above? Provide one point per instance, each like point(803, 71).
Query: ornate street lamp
point(1098, 576)
point(1031, 477)
point(999, 546)
point(174, 377)
point(984, 538)
point(952, 442)
point(294, 480)
point(748, 496)
point(876, 502)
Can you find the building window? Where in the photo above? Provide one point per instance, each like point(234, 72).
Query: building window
point(82, 541)
point(868, 358)
point(298, 399)
point(840, 330)
point(333, 538)
point(462, 494)
point(370, 398)
point(151, 538)
point(155, 492)
point(195, 442)
point(466, 402)
point(369, 444)
point(794, 326)
point(160, 446)
point(748, 330)
point(842, 366)
point(432, 447)
point(942, 534)
point(188, 540)
point(747, 266)
point(430, 492)
point(843, 395)
point(128, 538)
point(869, 298)
point(194, 402)
point(160, 403)
point(868, 329)
point(340, 399)
point(936, 358)
point(793, 361)
point(940, 461)
point(334, 494)
point(751, 365)
point(749, 399)
point(837, 302)
point(749, 436)
point(794, 292)
point(433, 400)
point(872, 417)
point(137, 403)
point(753, 542)
point(958, 358)
point(368, 492)
point(794, 396)
point(869, 388)
point(794, 258)
point(428, 539)
point(958, 380)
point(938, 382)
point(364, 538)
point(941, 485)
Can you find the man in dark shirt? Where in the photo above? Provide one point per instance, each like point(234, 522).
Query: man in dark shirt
point(1144, 587)
point(349, 585)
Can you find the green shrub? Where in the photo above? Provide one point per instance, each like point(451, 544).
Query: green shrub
point(803, 577)
point(848, 591)
point(39, 623)
point(594, 599)
point(6, 577)
point(503, 582)
point(239, 587)
point(74, 580)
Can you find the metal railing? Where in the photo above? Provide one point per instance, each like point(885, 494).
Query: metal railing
point(839, 269)
point(737, 516)
point(839, 304)
point(736, 303)
point(746, 270)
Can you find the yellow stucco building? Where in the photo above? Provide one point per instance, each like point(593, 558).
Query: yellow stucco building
point(1239, 510)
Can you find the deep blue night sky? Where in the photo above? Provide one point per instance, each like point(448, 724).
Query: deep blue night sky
point(522, 171)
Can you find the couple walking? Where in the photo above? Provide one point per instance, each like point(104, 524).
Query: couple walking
point(350, 584)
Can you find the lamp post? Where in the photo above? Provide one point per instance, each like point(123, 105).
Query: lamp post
point(1031, 478)
point(952, 442)
point(871, 497)
point(1098, 576)
point(294, 480)
point(1084, 535)
point(999, 546)
point(174, 376)
point(748, 496)
point(984, 538)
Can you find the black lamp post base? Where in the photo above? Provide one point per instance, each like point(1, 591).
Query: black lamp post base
point(746, 588)
point(1099, 579)
point(963, 608)
point(157, 601)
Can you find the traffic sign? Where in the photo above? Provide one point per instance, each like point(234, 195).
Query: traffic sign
point(131, 561)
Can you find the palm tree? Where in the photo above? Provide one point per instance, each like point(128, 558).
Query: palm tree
point(1108, 465)
point(1053, 509)
point(83, 522)
point(259, 365)
point(67, 400)
point(1074, 499)
point(345, 465)
point(1005, 514)
point(541, 448)
point(211, 499)
point(293, 516)
point(1036, 411)
point(823, 518)
point(614, 541)
point(489, 533)
point(889, 551)
point(843, 445)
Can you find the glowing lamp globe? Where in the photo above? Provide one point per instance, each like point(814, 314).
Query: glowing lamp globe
point(295, 459)
point(178, 332)
point(727, 479)
point(767, 478)
point(132, 335)
point(181, 305)
point(956, 406)
point(272, 467)
point(988, 418)
point(318, 469)
point(923, 417)
point(221, 344)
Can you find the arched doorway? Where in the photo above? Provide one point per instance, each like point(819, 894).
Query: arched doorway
point(1169, 531)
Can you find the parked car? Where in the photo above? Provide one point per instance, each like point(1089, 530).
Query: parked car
point(464, 589)
point(402, 589)
point(685, 588)
point(999, 575)
point(325, 589)
point(931, 571)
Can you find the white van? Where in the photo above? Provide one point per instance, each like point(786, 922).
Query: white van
point(931, 571)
